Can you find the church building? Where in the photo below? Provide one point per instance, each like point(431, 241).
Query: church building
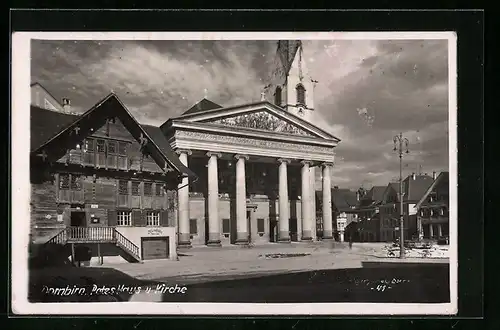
point(256, 163)
point(212, 176)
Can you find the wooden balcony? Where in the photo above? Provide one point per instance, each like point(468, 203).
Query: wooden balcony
point(90, 235)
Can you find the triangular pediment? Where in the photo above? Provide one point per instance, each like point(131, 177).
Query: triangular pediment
point(262, 116)
point(262, 120)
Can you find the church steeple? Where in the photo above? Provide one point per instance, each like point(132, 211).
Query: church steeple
point(290, 85)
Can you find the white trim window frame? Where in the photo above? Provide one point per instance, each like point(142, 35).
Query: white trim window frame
point(124, 218)
point(153, 218)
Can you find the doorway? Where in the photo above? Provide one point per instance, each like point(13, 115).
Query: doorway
point(249, 222)
point(78, 219)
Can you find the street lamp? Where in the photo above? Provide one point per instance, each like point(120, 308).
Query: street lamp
point(401, 146)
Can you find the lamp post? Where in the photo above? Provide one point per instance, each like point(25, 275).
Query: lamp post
point(401, 146)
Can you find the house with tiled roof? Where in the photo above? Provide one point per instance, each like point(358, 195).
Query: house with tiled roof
point(414, 186)
point(433, 209)
point(102, 180)
point(368, 214)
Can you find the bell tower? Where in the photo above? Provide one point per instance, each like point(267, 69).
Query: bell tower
point(290, 85)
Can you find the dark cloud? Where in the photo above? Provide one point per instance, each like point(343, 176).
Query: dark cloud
point(401, 85)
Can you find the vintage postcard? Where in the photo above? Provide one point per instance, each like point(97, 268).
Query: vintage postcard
point(234, 173)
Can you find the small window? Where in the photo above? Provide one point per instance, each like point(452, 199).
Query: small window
point(148, 188)
point(225, 227)
point(193, 226)
point(158, 189)
point(76, 182)
point(442, 212)
point(122, 148)
point(153, 218)
point(123, 218)
point(135, 188)
point(301, 94)
point(123, 187)
point(63, 181)
point(112, 147)
point(260, 226)
point(100, 146)
point(89, 145)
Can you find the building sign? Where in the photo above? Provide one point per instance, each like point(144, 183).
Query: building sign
point(94, 206)
point(155, 232)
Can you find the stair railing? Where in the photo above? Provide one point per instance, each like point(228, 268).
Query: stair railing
point(126, 244)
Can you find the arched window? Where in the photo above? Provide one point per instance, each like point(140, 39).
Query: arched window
point(301, 94)
point(277, 96)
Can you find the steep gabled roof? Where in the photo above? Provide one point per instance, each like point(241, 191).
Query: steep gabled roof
point(414, 189)
point(442, 176)
point(44, 133)
point(391, 186)
point(47, 123)
point(36, 83)
point(201, 106)
point(343, 199)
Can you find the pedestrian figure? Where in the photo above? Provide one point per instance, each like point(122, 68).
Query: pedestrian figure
point(350, 242)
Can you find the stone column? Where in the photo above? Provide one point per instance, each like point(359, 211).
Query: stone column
point(312, 177)
point(241, 201)
point(327, 202)
point(306, 202)
point(213, 200)
point(420, 228)
point(183, 203)
point(440, 230)
point(284, 228)
point(431, 230)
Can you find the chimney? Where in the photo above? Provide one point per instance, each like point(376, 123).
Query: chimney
point(414, 176)
point(66, 103)
point(434, 175)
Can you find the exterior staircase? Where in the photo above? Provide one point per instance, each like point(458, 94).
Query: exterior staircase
point(93, 235)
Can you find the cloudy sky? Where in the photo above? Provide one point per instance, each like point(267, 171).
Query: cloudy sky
point(368, 91)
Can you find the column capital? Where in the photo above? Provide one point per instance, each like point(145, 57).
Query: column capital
point(241, 156)
point(212, 153)
point(184, 151)
point(284, 160)
point(306, 162)
point(327, 164)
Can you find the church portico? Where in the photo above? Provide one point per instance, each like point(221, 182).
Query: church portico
point(256, 164)
point(255, 185)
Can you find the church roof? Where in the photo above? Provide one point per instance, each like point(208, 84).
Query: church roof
point(201, 106)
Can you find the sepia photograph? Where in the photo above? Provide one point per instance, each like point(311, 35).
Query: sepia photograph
point(234, 173)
